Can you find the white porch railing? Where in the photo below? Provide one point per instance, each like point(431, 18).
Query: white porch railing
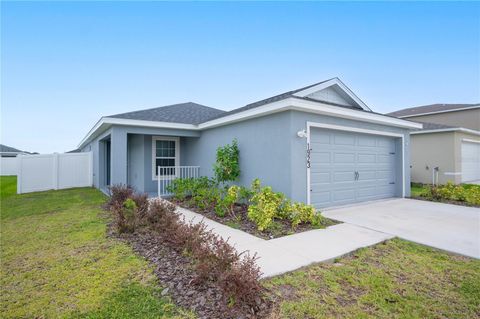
point(167, 174)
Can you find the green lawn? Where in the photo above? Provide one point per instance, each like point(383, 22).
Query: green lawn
point(397, 279)
point(417, 189)
point(57, 262)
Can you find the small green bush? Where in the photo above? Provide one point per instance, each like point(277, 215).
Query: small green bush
point(227, 165)
point(226, 203)
point(181, 188)
point(265, 205)
point(462, 193)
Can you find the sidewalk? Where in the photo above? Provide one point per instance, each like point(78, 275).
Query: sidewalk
point(277, 256)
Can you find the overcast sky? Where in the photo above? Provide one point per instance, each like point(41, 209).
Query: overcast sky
point(64, 64)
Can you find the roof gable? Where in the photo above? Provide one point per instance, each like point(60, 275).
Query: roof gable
point(332, 91)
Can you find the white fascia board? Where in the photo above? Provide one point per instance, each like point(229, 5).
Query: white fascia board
point(444, 111)
point(452, 129)
point(468, 140)
point(326, 109)
point(299, 104)
point(291, 103)
point(329, 83)
point(109, 121)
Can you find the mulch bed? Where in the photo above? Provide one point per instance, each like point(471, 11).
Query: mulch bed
point(445, 201)
point(240, 221)
point(175, 272)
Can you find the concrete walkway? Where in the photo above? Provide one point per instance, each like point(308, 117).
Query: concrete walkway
point(277, 256)
point(449, 227)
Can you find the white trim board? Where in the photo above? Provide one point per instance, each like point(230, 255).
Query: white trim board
point(292, 103)
point(438, 112)
point(357, 130)
point(470, 140)
point(452, 129)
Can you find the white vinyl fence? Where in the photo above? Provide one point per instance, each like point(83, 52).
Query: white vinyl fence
point(8, 166)
point(54, 171)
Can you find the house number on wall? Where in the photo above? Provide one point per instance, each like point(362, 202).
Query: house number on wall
point(308, 155)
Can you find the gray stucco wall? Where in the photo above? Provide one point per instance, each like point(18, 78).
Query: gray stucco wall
point(269, 149)
point(264, 145)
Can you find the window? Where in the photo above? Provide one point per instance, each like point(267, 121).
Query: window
point(165, 153)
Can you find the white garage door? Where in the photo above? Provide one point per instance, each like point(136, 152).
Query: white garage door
point(470, 161)
point(351, 167)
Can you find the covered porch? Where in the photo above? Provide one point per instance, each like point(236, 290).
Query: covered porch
point(146, 159)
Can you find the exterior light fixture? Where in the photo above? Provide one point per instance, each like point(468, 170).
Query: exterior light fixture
point(302, 134)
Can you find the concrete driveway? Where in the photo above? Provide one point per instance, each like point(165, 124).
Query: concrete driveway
point(449, 227)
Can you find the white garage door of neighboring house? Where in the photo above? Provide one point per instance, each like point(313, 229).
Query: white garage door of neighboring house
point(470, 161)
point(348, 167)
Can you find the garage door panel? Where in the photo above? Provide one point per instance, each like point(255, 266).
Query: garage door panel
point(343, 176)
point(341, 157)
point(367, 141)
point(321, 139)
point(366, 158)
point(334, 163)
point(323, 157)
point(321, 177)
point(344, 139)
point(344, 195)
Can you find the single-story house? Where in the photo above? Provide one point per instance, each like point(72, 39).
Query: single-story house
point(448, 146)
point(8, 151)
point(319, 144)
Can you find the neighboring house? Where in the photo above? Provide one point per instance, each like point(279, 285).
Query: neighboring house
point(319, 144)
point(449, 141)
point(7, 151)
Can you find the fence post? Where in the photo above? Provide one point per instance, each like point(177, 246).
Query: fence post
point(55, 171)
point(90, 168)
point(19, 174)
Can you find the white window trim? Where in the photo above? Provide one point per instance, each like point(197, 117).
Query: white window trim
point(358, 130)
point(154, 155)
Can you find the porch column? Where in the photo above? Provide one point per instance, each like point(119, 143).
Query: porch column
point(118, 159)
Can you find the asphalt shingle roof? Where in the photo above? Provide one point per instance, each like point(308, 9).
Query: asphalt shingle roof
point(193, 113)
point(187, 113)
point(412, 111)
point(9, 149)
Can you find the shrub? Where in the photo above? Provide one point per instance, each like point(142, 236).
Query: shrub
point(472, 195)
point(206, 198)
point(118, 195)
point(265, 206)
point(227, 203)
point(450, 191)
point(302, 213)
point(241, 282)
point(244, 195)
point(214, 258)
point(227, 166)
point(181, 188)
point(127, 207)
point(161, 216)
